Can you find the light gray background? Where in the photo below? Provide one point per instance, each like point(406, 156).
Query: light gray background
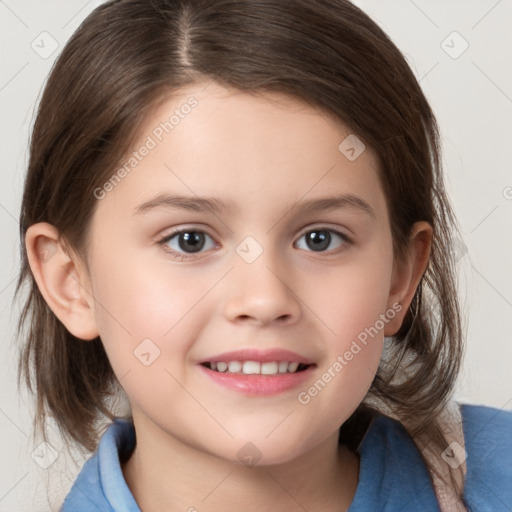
point(471, 94)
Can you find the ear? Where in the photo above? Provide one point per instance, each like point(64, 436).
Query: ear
point(61, 279)
point(407, 273)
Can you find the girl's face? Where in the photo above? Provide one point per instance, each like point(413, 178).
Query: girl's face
point(265, 185)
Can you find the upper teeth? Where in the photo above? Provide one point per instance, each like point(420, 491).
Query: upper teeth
point(255, 367)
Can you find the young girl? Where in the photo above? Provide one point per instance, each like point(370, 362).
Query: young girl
point(234, 217)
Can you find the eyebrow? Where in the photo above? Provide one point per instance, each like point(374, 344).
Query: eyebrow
point(217, 206)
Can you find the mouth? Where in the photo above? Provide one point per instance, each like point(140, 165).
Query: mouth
point(256, 367)
point(258, 372)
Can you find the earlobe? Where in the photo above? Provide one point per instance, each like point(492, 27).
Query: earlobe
point(408, 272)
point(61, 280)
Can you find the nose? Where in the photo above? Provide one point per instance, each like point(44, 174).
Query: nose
point(261, 293)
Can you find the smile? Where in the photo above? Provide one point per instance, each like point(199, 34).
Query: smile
point(256, 368)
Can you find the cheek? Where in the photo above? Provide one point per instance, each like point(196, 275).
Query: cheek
point(144, 295)
point(148, 322)
point(136, 302)
point(353, 295)
point(352, 306)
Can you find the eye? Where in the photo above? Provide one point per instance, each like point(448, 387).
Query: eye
point(184, 242)
point(319, 239)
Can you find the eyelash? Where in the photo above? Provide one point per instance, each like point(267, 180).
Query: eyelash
point(187, 256)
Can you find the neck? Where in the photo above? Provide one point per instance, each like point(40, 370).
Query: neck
point(324, 478)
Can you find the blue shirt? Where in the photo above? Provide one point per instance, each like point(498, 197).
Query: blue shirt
point(392, 474)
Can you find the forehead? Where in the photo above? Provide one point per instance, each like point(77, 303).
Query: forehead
point(248, 148)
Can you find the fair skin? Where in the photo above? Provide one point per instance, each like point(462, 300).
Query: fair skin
point(261, 154)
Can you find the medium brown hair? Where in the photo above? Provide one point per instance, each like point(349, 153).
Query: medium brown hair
point(123, 60)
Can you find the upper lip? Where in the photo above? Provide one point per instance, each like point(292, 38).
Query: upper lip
point(262, 356)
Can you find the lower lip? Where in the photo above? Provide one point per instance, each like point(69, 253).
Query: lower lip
point(259, 385)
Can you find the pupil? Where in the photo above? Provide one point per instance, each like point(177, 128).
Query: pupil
point(319, 240)
point(191, 240)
